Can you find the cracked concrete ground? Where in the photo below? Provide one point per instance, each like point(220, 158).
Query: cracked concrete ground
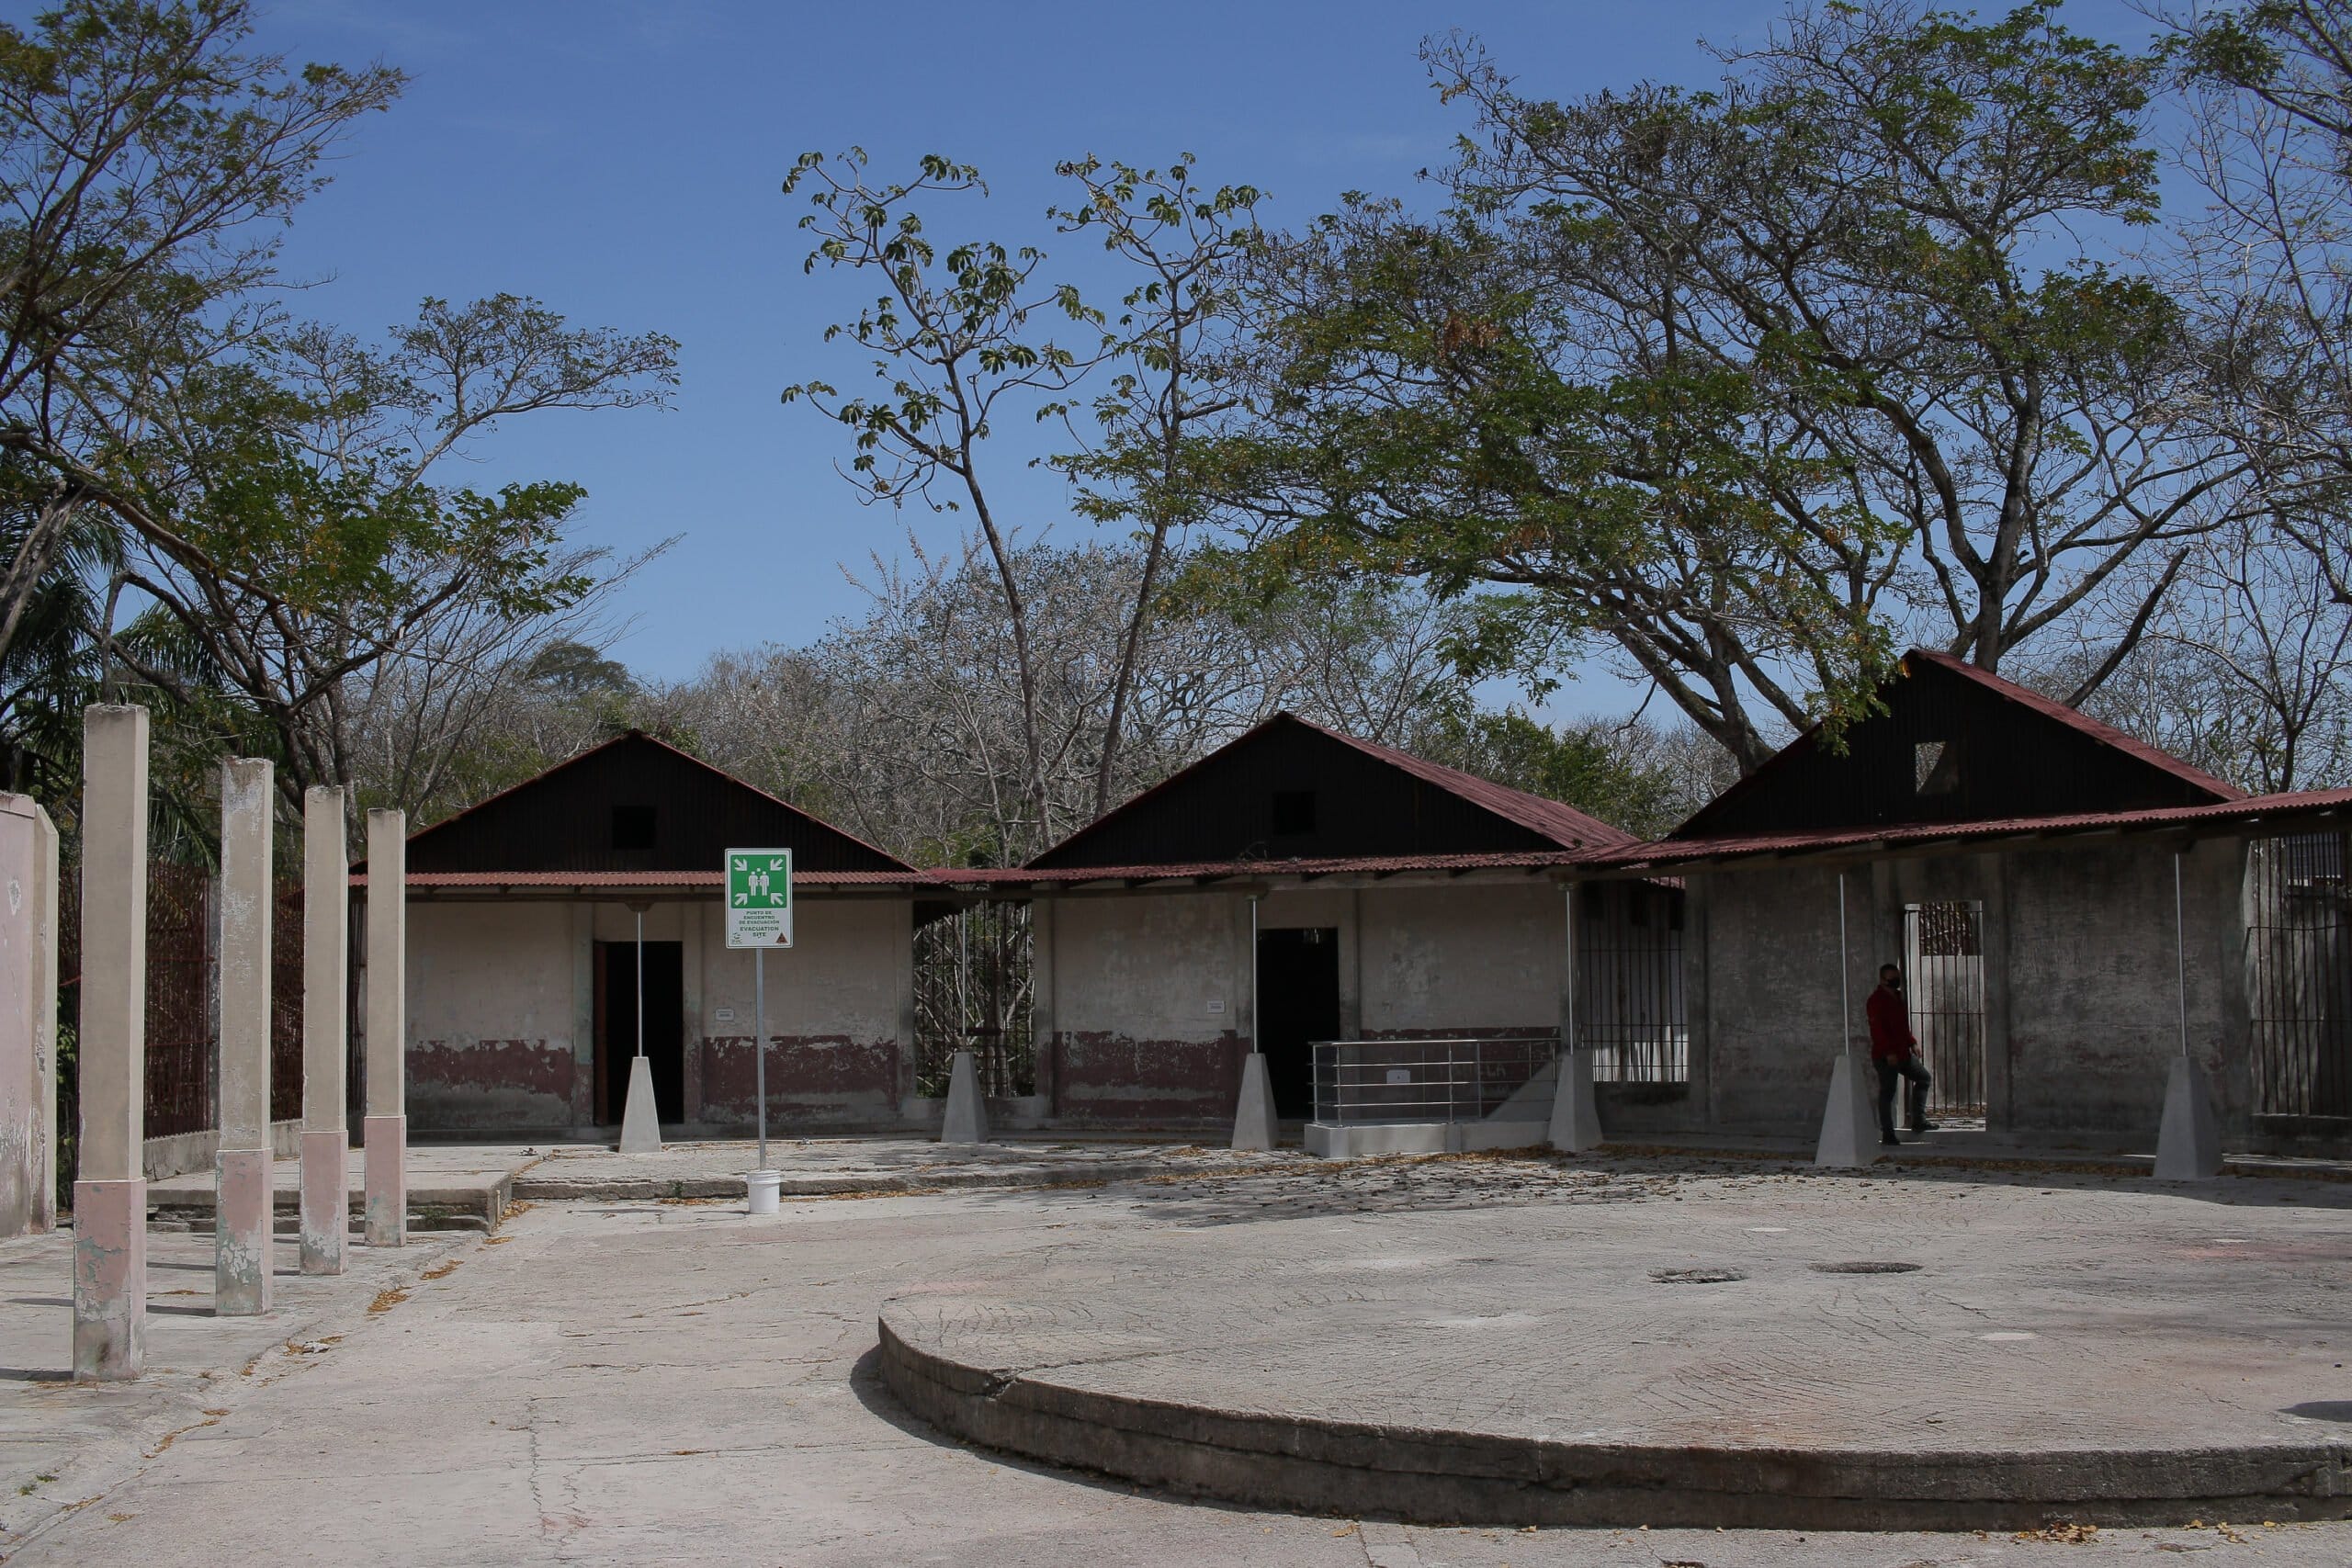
point(626, 1382)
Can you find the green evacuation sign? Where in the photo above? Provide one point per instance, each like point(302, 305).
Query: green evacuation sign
point(759, 898)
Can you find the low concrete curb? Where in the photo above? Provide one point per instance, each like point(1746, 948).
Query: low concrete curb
point(620, 1189)
point(1424, 1476)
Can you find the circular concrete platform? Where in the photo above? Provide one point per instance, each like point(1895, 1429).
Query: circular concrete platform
point(1608, 1347)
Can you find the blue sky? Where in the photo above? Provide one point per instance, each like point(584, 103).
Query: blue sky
point(622, 163)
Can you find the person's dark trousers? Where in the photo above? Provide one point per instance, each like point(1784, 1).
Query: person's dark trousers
point(1888, 1071)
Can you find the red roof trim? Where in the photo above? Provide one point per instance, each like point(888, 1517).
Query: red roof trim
point(578, 758)
point(2223, 812)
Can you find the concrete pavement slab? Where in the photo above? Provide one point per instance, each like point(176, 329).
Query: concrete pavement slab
point(664, 1381)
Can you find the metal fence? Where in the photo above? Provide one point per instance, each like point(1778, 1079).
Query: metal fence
point(1943, 947)
point(1422, 1080)
point(2298, 976)
point(182, 1054)
point(973, 992)
point(1629, 982)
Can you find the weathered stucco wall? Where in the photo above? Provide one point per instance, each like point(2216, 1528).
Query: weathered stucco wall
point(2094, 993)
point(839, 1016)
point(2081, 1005)
point(1466, 960)
point(492, 1025)
point(1770, 997)
point(1150, 1009)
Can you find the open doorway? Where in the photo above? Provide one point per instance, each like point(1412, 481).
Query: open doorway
point(1298, 1003)
point(665, 1019)
point(1943, 982)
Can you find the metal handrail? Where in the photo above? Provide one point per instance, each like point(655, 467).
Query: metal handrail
point(1446, 1080)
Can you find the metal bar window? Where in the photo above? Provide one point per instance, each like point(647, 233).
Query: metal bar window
point(2298, 976)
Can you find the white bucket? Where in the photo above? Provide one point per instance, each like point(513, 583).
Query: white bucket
point(762, 1190)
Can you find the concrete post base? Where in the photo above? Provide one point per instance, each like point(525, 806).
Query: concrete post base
point(966, 1118)
point(1849, 1125)
point(326, 1202)
point(385, 1163)
point(109, 1279)
point(241, 1253)
point(640, 1121)
point(2188, 1145)
point(1253, 1119)
point(1576, 1118)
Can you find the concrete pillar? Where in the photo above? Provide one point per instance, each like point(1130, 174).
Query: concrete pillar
point(44, 893)
point(966, 1117)
point(20, 980)
point(243, 1202)
point(385, 1132)
point(327, 1005)
point(110, 1190)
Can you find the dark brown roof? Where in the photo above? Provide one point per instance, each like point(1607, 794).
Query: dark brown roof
point(1996, 751)
point(1370, 801)
point(560, 820)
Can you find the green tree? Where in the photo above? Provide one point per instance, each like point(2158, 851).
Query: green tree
point(1747, 384)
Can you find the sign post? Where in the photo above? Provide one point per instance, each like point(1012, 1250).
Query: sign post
point(759, 916)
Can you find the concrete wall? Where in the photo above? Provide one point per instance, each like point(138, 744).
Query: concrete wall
point(2082, 1004)
point(839, 1017)
point(1144, 998)
point(1147, 1018)
point(501, 1014)
point(497, 1038)
point(1765, 1022)
point(1465, 960)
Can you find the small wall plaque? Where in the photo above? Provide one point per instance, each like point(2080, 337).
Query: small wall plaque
point(722, 1015)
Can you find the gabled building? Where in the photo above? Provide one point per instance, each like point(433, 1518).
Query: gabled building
point(2070, 906)
point(1298, 886)
point(524, 919)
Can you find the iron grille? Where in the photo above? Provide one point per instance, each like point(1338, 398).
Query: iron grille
point(2298, 982)
point(973, 993)
point(1943, 947)
point(1629, 983)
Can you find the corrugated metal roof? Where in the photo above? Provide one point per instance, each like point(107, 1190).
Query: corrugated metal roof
point(626, 879)
point(1555, 819)
point(2281, 810)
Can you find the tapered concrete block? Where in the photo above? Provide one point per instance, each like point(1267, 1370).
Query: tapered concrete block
point(967, 1120)
point(2188, 1143)
point(385, 1165)
point(109, 1279)
point(1576, 1116)
point(1849, 1125)
point(640, 1120)
point(1253, 1119)
point(326, 1201)
point(241, 1259)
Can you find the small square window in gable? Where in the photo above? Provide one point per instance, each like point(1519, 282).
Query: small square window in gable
point(1294, 812)
point(633, 827)
point(1935, 767)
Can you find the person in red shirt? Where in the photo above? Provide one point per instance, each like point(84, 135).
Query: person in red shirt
point(1896, 1054)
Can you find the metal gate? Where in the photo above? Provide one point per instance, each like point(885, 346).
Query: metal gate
point(973, 993)
point(1943, 979)
point(2298, 982)
point(1629, 982)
